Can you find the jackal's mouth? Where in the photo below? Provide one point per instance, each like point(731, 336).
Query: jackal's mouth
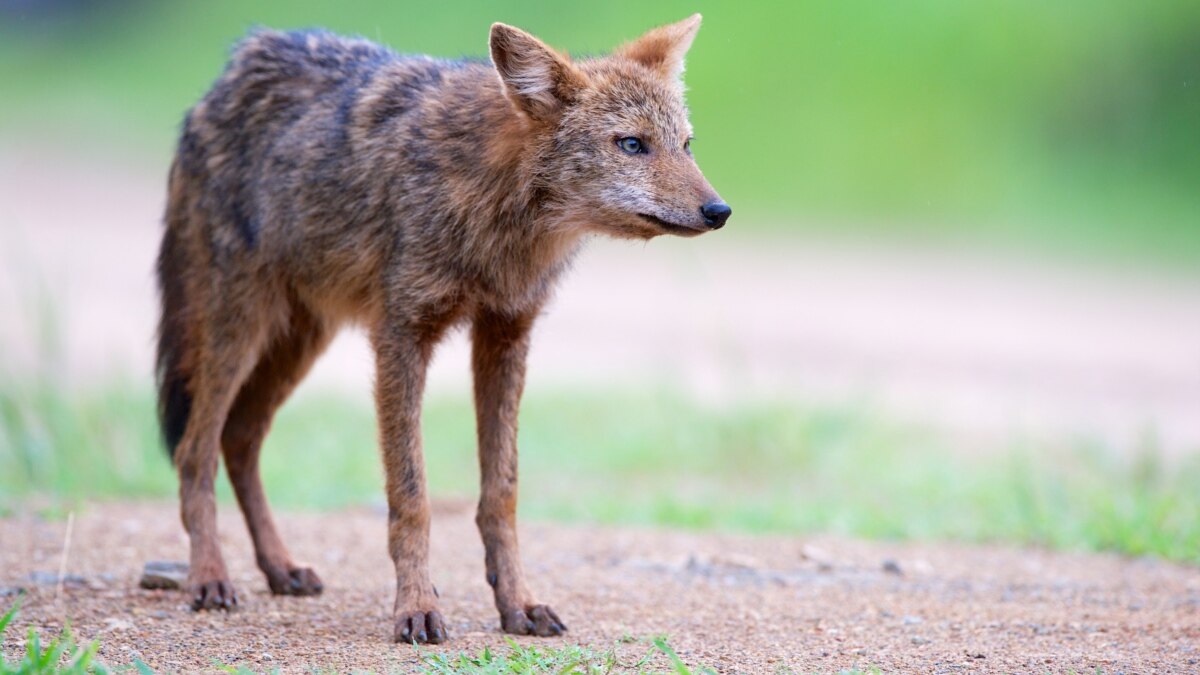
point(672, 228)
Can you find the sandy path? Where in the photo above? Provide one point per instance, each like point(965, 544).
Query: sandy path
point(735, 603)
point(983, 345)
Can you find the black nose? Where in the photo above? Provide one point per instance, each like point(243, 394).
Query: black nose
point(715, 214)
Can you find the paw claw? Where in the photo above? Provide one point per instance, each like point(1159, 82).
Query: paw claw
point(420, 628)
point(537, 620)
point(214, 595)
point(300, 581)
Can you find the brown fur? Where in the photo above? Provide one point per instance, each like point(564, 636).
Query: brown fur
point(325, 180)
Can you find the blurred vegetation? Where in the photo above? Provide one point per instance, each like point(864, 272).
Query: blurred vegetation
point(1070, 125)
point(755, 466)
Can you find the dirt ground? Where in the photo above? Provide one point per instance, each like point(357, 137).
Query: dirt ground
point(732, 603)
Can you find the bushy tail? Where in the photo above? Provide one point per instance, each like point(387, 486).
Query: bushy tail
point(173, 361)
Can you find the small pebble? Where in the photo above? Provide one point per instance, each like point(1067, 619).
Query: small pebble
point(164, 574)
point(115, 624)
point(918, 640)
point(892, 567)
point(814, 553)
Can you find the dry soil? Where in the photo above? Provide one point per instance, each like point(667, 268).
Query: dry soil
point(732, 603)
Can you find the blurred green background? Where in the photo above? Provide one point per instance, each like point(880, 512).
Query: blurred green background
point(1066, 128)
point(1071, 125)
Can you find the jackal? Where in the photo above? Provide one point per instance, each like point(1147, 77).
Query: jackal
point(326, 180)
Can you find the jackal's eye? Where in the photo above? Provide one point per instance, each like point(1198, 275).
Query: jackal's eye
point(687, 146)
point(631, 145)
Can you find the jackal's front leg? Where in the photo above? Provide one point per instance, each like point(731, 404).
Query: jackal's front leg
point(402, 356)
point(500, 344)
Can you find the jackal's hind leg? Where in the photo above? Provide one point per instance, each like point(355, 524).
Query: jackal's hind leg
point(283, 364)
point(228, 350)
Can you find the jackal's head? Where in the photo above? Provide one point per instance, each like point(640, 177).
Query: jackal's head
point(611, 134)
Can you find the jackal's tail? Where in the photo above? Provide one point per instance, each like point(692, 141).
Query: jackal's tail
point(173, 363)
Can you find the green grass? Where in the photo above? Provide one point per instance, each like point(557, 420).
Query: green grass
point(518, 659)
point(1067, 124)
point(649, 458)
point(60, 655)
point(574, 660)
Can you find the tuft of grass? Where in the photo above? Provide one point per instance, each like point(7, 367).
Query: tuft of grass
point(519, 659)
point(568, 659)
point(648, 458)
point(60, 656)
point(677, 663)
point(576, 660)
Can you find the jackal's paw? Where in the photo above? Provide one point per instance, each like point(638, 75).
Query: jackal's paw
point(421, 627)
point(537, 620)
point(296, 581)
point(217, 594)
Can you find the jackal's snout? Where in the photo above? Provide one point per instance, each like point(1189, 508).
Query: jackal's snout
point(715, 214)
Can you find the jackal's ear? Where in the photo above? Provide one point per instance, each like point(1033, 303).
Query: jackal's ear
point(662, 49)
point(537, 79)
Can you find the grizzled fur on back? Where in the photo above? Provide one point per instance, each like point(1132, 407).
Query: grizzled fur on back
point(327, 180)
point(317, 162)
point(311, 147)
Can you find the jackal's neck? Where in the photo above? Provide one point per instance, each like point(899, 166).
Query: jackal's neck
point(515, 235)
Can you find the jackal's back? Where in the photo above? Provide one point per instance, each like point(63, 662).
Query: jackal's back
point(277, 122)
